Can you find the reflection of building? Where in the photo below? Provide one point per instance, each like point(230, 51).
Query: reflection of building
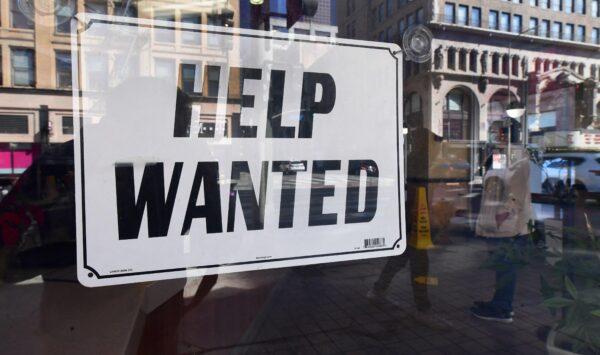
point(35, 71)
point(453, 101)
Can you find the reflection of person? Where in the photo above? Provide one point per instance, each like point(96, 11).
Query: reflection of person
point(504, 222)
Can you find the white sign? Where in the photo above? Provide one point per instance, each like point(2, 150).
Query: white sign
point(209, 150)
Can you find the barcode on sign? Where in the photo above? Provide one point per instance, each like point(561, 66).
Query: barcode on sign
point(374, 242)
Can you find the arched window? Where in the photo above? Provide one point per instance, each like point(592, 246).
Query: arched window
point(458, 115)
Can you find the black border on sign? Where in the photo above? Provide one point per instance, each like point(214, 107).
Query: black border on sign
point(81, 138)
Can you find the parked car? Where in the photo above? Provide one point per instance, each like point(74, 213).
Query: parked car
point(565, 173)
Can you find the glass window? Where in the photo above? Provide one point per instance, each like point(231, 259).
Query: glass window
point(67, 125)
point(188, 76)
point(556, 5)
point(569, 31)
point(14, 124)
point(213, 80)
point(517, 23)
point(463, 15)
point(556, 30)
point(568, 4)
point(595, 8)
point(580, 6)
point(63, 69)
point(388, 7)
point(18, 19)
point(191, 37)
point(380, 13)
point(505, 22)
point(475, 19)
point(493, 19)
point(545, 4)
point(533, 2)
point(595, 35)
point(401, 26)
point(62, 20)
point(580, 36)
point(23, 68)
point(545, 28)
point(533, 26)
point(96, 7)
point(161, 35)
point(449, 13)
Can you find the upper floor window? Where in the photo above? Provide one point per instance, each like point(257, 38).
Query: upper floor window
point(190, 37)
point(463, 15)
point(517, 23)
point(595, 38)
point(505, 22)
point(388, 7)
point(568, 32)
point(568, 5)
point(545, 4)
point(475, 19)
point(556, 5)
point(401, 26)
point(544, 28)
point(595, 8)
point(67, 125)
point(449, 13)
point(14, 124)
point(23, 68)
point(533, 25)
point(580, 34)
point(493, 20)
point(17, 18)
point(96, 7)
point(533, 2)
point(63, 69)
point(66, 9)
point(187, 75)
point(580, 6)
point(161, 35)
point(380, 13)
point(556, 30)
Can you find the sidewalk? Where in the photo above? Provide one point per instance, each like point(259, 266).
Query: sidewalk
point(323, 309)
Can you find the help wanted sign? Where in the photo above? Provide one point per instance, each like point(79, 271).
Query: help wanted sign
point(206, 150)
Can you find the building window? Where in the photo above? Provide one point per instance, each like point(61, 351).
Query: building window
point(568, 5)
point(556, 5)
point(545, 28)
point(64, 12)
point(420, 16)
point(17, 18)
point(67, 125)
point(457, 115)
point(463, 15)
point(568, 32)
point(545, 4)
point(96, 7)
point(556, 30)
point(63, 70)
point(473, 61)
point(188, 77)
point(23, 69)
point(517, 23)
point(452, 58)
point(595, 35)
point(475, 19)
point(580, 35)
point(449, 13)
point(14, 124)
point(164, 35)
point(493, 20)
point(213, 73)
point(533, 25)
point(97, 73)
point(388, 7)
point(533, 3)
point(505, 22)
point(462, 60)
point(190, 37)
point(380, 13)
point(164, 68)
point(595, 8)
point(580, 6)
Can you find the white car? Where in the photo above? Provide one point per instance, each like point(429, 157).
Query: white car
point(563, 172)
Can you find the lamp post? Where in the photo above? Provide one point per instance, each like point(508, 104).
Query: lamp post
point(517, 110)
